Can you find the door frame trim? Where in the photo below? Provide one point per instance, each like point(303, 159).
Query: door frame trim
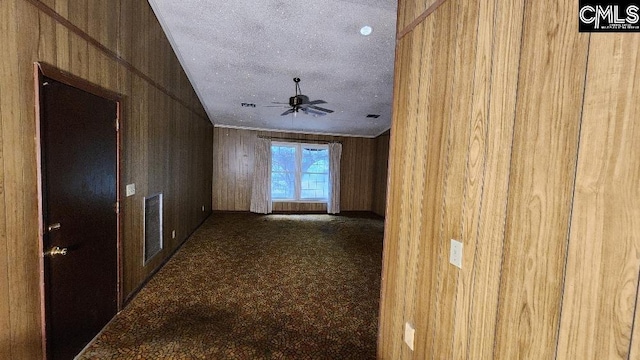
point(41, 69)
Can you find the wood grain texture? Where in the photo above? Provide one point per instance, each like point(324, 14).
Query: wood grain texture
point(156, 74)
point(456, 144)
point(634, 351)
point(392, 287)
point(506, 164)
point(357, 168)
point(413, 12)
point(166, 145)
point(233, 170)
point(414, 187)
point(436, 91)
point(474, 177)
point(423, 132)
point(7, 37)
point(499, 138)
point(62, 36)
point(292, 207)
point(549, 102)
point(379, 202)
point(19, 169)
point(604, 246)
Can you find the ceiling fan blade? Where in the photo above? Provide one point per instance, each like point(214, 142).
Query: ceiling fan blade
point(316, 102)
point(321, 109)
point(275, 102)
point(290, 111)
point(275, 106)
point(313, 112)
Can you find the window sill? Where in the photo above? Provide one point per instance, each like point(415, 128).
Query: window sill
point(301, 201)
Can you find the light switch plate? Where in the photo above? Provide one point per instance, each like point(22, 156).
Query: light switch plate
point(173, 234)
point(455, 257)
point(409, 335)
point(131, 189)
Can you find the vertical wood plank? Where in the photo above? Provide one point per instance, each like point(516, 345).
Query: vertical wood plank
point(412, 181)
point(604, 248)
point(19, 167)
point(488, 254)
point(5, 314)
point(228, 187)
point(379, 195)
point(217, 195)
point(125, 30)
point(549, 99)
point(392, 299)
point(634, 351)
point(7, 37)
point(423, 138)
point(463, 48)
point(474, 177)
point(435, 97)
point(78, 47)
point(47, 46)
point(63, 50)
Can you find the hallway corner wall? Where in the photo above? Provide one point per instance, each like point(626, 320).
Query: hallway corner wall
point(517, 135)
point(166, 147)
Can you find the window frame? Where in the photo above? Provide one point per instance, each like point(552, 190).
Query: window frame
point(299, 173)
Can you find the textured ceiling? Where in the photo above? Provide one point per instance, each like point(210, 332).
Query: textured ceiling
point(247, 51)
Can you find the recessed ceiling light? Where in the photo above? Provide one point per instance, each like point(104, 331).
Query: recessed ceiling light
point(366, 30)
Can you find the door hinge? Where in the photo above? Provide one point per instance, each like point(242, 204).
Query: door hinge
point(117, 124)
point(116, 207)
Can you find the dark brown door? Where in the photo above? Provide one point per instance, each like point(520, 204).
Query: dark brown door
point(79, 176)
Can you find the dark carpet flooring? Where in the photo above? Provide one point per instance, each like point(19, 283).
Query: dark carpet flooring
point(248, 286)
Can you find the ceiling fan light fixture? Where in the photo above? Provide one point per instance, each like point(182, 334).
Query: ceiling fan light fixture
point(366, 30)
point(301, 102)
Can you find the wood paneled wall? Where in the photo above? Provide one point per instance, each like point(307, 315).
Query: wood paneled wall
point(166, 135)
point(233, 170)
point(514, 134)
point(379, 201)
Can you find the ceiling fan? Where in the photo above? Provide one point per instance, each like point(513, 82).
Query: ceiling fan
point(301, 102)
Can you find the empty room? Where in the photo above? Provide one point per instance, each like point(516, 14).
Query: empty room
point(335, 179)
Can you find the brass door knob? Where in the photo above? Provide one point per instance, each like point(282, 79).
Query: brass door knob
point(56, 250)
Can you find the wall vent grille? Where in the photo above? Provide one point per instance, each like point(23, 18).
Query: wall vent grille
point(152, 226)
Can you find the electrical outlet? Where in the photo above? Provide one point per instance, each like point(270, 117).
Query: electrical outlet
point(409, 334)
point(455, 257)
point(202, 207)
point(173, 234)
point(131, 189)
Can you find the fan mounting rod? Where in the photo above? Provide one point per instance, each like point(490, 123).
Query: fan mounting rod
point(296, 101)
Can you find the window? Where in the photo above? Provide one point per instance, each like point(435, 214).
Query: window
point(299, 172)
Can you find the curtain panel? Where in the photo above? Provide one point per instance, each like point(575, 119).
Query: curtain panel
point(261, 187)
point(335, 153)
